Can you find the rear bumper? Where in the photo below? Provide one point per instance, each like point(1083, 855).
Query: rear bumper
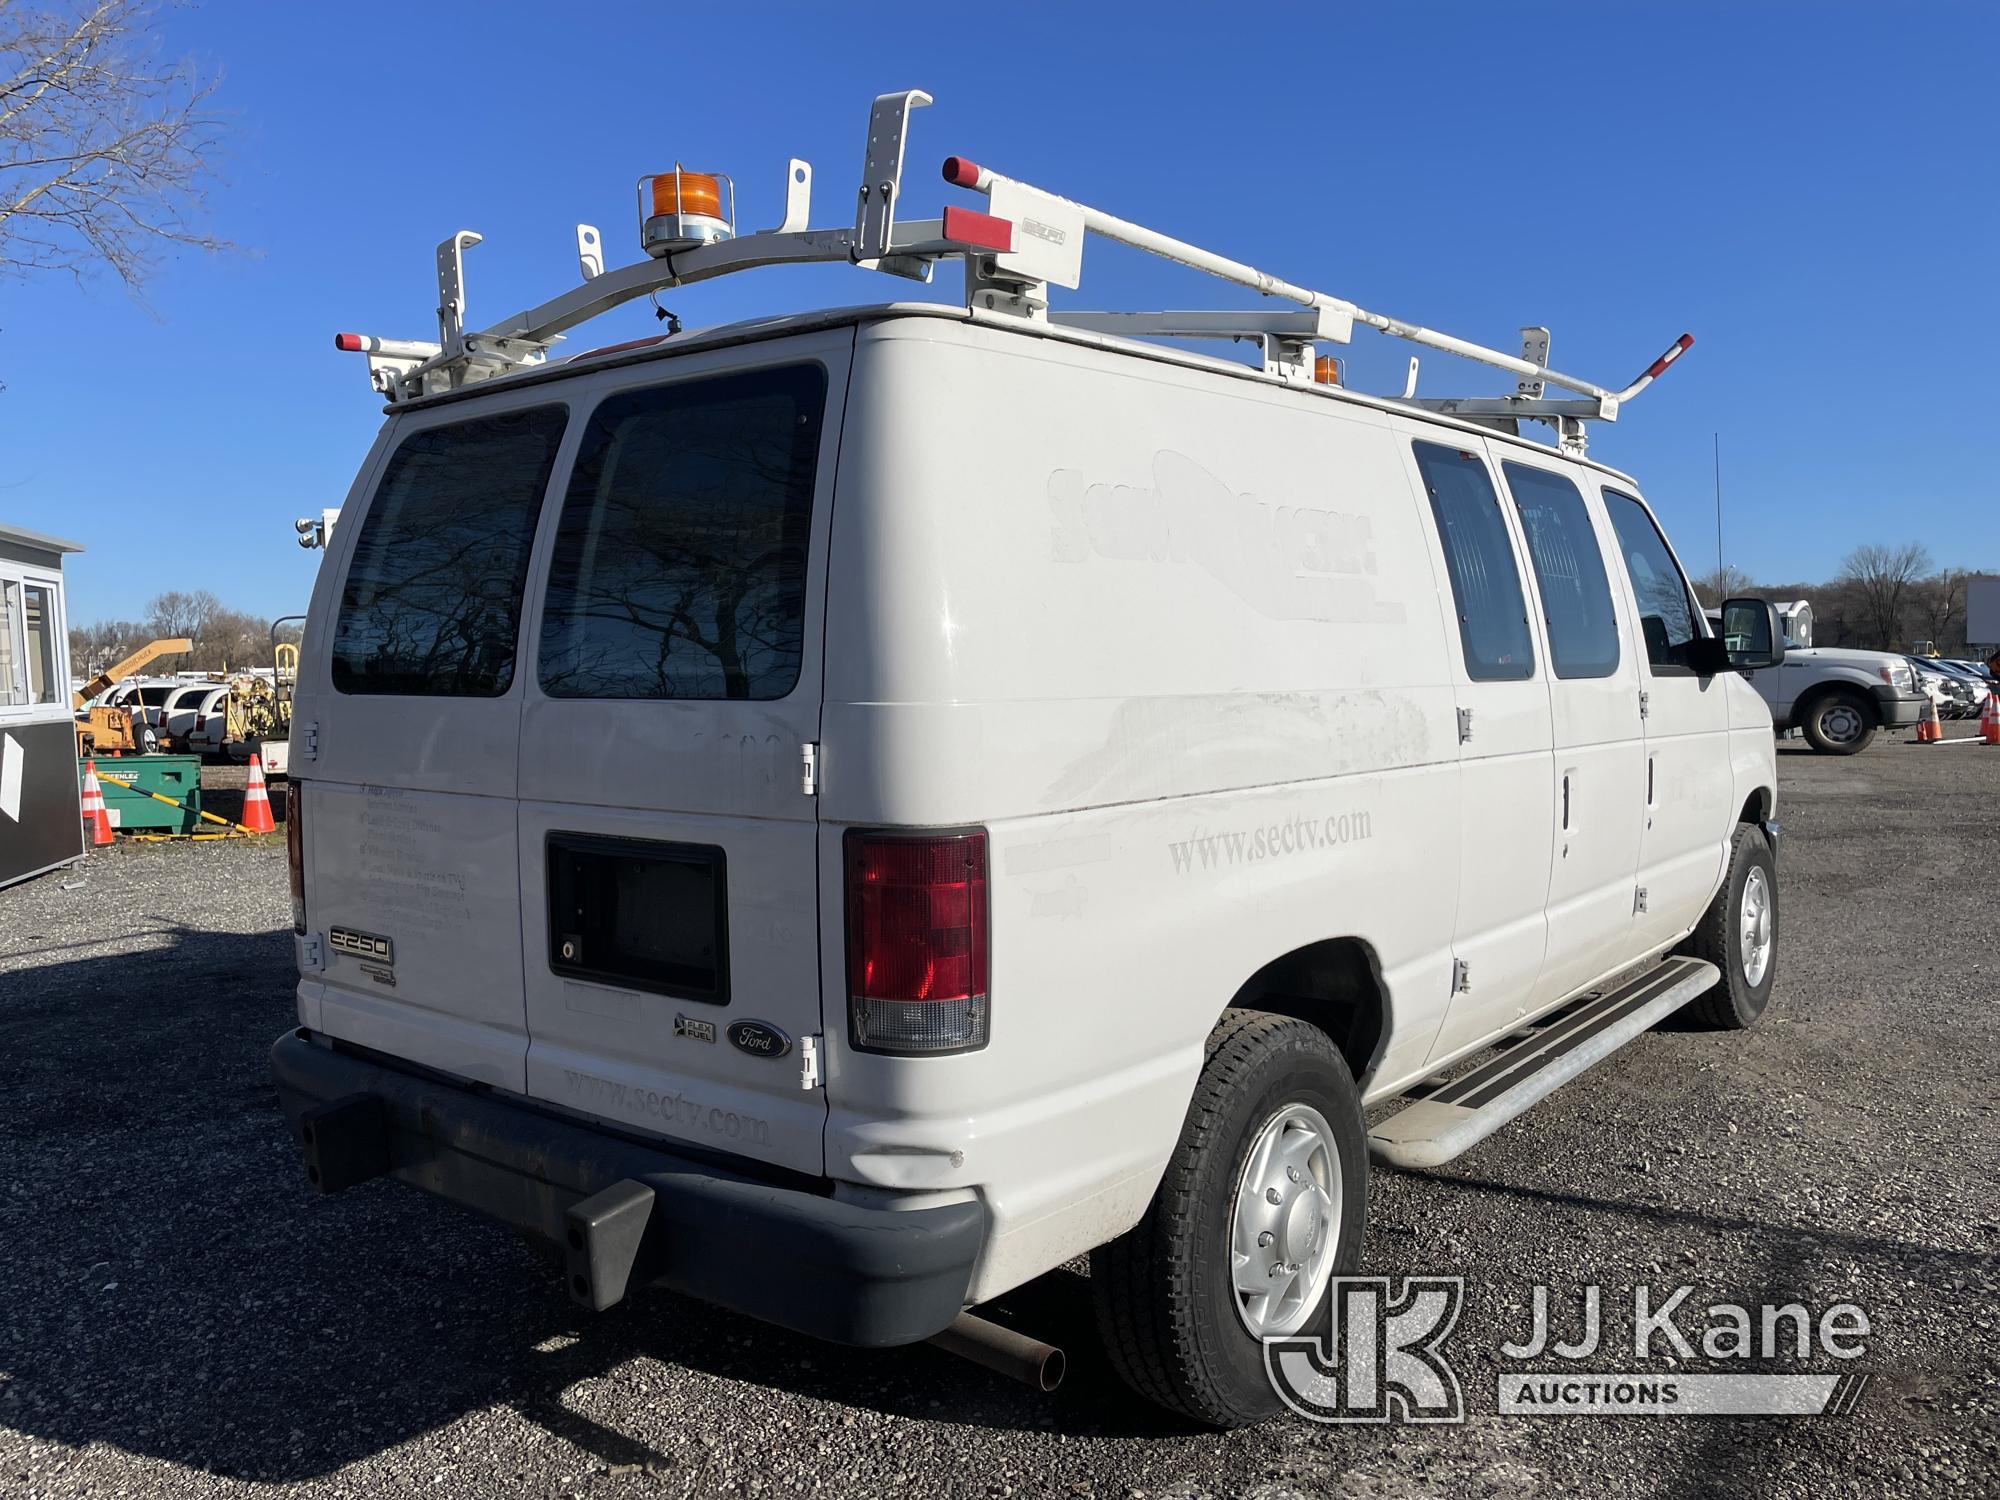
point(626, 1214)
point(1897, 711)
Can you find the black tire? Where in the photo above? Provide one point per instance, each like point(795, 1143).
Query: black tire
point(1166, 1302)
point(1736, 1003)
point(1827, 719)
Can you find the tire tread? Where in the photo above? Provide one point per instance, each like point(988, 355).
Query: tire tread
point(1144, 1282)
point(1718, 1008)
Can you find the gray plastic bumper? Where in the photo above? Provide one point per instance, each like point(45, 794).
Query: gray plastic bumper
point(1898, 712)
point(627, 1214)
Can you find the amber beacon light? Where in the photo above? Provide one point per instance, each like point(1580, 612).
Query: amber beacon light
point(679, 210)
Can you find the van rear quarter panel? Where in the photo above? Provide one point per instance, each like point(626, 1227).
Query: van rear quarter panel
point(1176, 642)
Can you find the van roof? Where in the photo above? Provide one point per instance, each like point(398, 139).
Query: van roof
point(758, 330)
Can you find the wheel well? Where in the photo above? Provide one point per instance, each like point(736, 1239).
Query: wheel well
point(1335, 984)
point(1758, 808)
point(1813, 697)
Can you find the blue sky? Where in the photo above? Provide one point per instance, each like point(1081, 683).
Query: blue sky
point(1809, 189)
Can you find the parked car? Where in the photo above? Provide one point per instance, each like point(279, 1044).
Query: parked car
point(140, 691)
point(1048, 829)
point(181, 709)
point(1978, 687)
point(145, 700)
point(198, 721)
point(1951, 693)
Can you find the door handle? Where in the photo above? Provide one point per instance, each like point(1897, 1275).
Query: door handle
point(1565, 801)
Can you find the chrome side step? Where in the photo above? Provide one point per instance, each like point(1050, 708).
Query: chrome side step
point(1434, 1129)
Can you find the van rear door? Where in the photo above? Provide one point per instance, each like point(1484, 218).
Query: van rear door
point(669, 895)
point(414, 707)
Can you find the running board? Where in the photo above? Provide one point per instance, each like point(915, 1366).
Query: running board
point(1436, 1128)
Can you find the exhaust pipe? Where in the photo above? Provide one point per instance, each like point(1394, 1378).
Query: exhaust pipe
point(1003, 1351)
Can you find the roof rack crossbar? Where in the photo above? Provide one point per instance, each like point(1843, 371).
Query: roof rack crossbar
point(968, 174)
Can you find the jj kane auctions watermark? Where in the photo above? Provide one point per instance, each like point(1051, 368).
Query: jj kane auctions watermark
point(1384, 1356)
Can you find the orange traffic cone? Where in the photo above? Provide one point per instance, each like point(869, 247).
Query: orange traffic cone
point(96, 817)
point(1929, 730)
point(1989, 721)
point(257, 801)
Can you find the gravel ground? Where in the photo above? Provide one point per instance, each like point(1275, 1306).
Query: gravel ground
point(183, 1317)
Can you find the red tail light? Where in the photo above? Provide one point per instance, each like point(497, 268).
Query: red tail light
point(295, 852)
point(916, 942)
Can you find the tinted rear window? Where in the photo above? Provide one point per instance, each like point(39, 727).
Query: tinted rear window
point(432, 603)
point(680, 562)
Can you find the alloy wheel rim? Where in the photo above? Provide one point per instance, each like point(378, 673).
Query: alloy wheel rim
point(1285, 1222)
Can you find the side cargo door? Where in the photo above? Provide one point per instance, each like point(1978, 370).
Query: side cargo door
point(1690, 778)
point(1500, 934)
point(1600, 751)
point(669, 899)
point(408, 718)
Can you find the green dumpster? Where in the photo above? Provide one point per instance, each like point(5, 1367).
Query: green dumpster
point(177, 777)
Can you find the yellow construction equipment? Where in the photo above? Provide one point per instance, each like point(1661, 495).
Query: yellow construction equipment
point(117, 672)
point(108, 731)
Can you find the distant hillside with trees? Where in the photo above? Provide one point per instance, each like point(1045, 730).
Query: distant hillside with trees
point(224, 639)
point(1882, 599)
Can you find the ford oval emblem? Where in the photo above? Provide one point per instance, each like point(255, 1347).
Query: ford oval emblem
point(758, 1039)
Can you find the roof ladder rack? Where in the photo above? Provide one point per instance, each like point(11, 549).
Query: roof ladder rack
point(1029, 242)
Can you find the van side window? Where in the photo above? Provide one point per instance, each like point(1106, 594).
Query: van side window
point(432, 601)
point(1485, 578)
point(680, 562)
point(1666, 615)
point(1569, 567)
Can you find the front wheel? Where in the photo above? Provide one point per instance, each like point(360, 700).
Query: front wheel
point(1263, 1203)
point(1739, 935)
point(1841, 723)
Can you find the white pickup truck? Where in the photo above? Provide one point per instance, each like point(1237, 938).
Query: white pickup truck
point(1838, 697)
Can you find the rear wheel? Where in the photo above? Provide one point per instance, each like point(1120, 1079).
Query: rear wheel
point(1739, 935)
point(1263, 1204)
point(1841, 723)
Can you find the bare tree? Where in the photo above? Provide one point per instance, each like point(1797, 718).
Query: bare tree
point(105, 150)
point(224, 639)
point(1724, 583)
point(1939, 602)
point(182, 613)
point(1883, 580)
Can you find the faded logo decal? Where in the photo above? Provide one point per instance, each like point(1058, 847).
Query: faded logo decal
point(1288, 562)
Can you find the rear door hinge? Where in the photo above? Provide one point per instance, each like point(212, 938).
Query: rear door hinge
point(1461, 977)
point(809, 759)
point(312, 953)
point(312, 741)
point(1645, 704)
point(1639, 900)
point(808, 1062)
point(1464, 725)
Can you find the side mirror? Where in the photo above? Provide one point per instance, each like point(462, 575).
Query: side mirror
point(1706, 655)
point(1752, 634)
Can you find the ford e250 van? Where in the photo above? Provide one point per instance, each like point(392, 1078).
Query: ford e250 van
point(841, 814)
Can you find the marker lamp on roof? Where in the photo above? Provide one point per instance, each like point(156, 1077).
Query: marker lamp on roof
point(681, 209)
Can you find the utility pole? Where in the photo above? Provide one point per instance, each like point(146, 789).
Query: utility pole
point(1721, 573)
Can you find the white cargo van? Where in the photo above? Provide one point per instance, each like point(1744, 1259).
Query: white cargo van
point(841, 814)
